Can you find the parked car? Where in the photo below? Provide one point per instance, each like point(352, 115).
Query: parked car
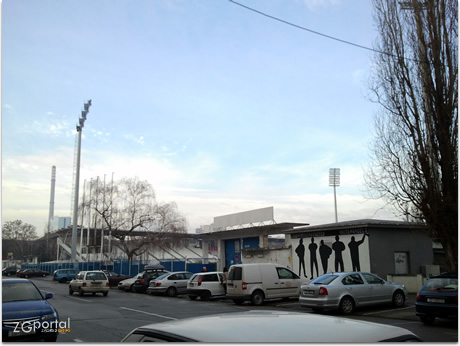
point(438, 298)
point(150, 272)
point(115, 278)
point(90, 282)
point(64, 275)
point(346, 291)
point(259, 281)
point(26, 313)
point(170, 284)
point(127, 285)
point(31, 272)
point(205, 285)
point(265, 326)
point(11, 270)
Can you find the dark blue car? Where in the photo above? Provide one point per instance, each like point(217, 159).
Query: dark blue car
point(26, 313)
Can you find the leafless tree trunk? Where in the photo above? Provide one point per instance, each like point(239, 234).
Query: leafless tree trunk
point(414, 155)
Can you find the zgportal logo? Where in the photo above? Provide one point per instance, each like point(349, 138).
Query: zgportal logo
point(31, 327)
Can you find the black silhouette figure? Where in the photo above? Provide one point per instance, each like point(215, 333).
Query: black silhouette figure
point(324, 252)
point(354, 252)
point(313, 247)
point(338, 247)
point(300, 251)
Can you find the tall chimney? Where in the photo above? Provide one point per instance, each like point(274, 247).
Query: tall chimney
point(53, 184)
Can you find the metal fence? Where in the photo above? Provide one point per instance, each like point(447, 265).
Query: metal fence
point(123, 267)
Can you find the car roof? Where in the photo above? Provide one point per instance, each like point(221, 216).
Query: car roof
point(277, 326)
point(8, 281)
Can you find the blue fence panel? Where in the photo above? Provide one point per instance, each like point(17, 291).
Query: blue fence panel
point(198, 267)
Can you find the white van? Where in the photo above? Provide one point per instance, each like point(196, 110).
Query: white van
point(259, 281)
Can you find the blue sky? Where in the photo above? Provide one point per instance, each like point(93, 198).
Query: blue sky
point(221, 109)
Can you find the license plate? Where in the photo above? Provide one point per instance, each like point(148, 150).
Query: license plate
point(95, 283)
point(308, 292)
point(435, 300)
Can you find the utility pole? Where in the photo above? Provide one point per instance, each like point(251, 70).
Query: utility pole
point(77, 181)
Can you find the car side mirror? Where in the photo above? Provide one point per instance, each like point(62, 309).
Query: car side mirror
point(48, 295)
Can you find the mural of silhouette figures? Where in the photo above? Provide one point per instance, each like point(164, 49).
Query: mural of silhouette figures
point(300, 251)
point(354, 252)
point(324, 252)
point(313, 261)
point(338, 248)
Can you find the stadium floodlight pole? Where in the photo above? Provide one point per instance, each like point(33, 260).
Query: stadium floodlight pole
point(77, 183)
point(334, 180)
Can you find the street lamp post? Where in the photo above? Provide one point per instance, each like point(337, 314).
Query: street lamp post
point(77, 182)
point(334, 180)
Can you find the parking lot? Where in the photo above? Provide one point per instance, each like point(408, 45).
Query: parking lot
point(109, 319)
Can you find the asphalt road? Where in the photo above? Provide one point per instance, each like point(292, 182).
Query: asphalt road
point(109, 319)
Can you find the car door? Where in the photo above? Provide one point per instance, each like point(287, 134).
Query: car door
point(379, 290)
point(357, 288)
point(289, 283)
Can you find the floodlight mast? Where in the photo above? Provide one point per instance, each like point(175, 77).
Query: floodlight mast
point(81, 123)
point(334, 180)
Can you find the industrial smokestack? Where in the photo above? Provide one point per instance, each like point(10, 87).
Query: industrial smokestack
point(53, 184)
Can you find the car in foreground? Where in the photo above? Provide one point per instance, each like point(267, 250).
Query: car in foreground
point(170, 284)
point(265, 326)
point(150, 272)
point(115, 278)
point(90, 282)
point(349, 290)
point(438, 298)
point(64, 275)
point(205, 285)
point(26, 313)
point(31, 272)
point(11, 270)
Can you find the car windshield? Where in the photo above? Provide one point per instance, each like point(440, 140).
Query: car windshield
point(442, 284)
point(20, 291)
point(324, 279)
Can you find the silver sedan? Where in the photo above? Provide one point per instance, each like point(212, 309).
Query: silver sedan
point(346, 291)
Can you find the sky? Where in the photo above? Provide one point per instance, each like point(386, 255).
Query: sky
point(222, 109)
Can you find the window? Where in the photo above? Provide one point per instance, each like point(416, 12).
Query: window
point(235, 273)
point(372, 279)
point(353, 279)
point(210, 277)
point(283, 273)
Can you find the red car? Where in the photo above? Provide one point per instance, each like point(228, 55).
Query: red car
point(28, 273)
point(115, 278)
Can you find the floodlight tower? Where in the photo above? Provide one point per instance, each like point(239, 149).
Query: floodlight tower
point(77, 181)
point(334, 180)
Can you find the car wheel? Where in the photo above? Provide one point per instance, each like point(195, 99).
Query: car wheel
point(192, 297)
point(205, 296)
point(171, 292)
point(44, 275)
point(257, 298)
point(70, 291)
point(80, 292)
point(398, 299)
point(63, 280)
point(427, 320)
point(346, 306)
point(26, 276)
point(105, 293)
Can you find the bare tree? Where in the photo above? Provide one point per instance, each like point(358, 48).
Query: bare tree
point(414, 162)
point(129, 211)
point(17, 235)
